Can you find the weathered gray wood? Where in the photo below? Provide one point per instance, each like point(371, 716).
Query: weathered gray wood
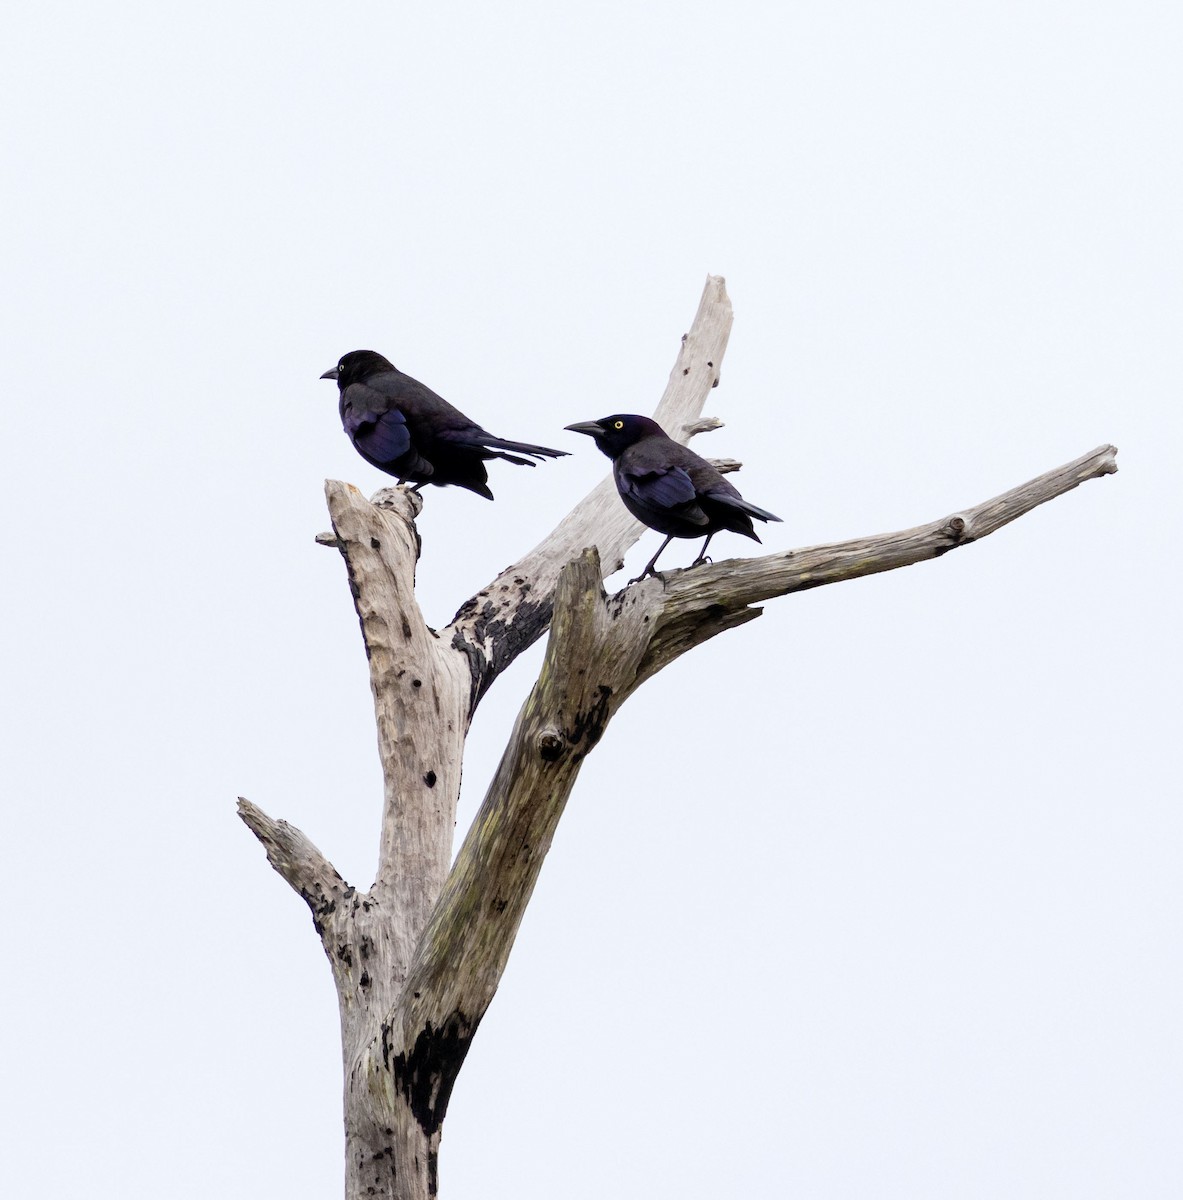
point(426, 686)
point(418, 958)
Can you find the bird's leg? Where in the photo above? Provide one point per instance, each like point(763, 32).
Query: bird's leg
point(652, 562)
point(414, 487)
point(702, 556)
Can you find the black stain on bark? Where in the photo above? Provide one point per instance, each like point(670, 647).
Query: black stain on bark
point(321, 907)
point(590, 723)
point(426, 1075)
point(510, 626)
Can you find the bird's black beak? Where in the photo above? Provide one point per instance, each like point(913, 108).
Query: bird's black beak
point(331, 373)
point(591, 428)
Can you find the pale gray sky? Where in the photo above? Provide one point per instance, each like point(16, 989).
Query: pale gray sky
point(879, 896)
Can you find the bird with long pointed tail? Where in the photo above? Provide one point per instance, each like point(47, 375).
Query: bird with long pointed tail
point(402, 427)
point(668, 487)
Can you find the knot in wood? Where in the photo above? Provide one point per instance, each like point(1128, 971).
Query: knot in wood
point(550, 745)
point(957, 529)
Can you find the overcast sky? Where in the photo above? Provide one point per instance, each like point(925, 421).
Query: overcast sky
point(878, 896)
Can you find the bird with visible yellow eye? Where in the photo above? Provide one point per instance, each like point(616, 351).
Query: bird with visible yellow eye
point(669, 487)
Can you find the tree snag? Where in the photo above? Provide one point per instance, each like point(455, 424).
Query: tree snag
point(418, 958)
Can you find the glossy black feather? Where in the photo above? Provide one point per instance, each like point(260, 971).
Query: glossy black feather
point(402, 427)
point(667, 486)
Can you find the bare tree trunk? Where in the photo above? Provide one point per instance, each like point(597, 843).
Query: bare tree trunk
point(418, 958)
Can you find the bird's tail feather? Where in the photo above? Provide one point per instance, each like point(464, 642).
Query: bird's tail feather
point(761, 514)
point(513, 458)
point(495, 443)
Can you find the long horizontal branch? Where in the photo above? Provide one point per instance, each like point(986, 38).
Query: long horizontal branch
point(740, 582)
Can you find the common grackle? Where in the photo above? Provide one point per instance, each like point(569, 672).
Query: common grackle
point(669, 487)
point(403, 428)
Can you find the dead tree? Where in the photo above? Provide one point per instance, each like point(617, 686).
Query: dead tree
point(417, 958)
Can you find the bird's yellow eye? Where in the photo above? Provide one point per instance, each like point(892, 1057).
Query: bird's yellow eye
point(617, 424)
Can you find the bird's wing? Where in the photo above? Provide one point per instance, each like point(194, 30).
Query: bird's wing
point(664, 489)
point(380, 436)
point(436, 423)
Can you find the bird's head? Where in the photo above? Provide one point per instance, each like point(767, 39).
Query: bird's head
point(616, 433)
point(356, 367)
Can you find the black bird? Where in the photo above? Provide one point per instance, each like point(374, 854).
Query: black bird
point(403, 428)
point(669, 487)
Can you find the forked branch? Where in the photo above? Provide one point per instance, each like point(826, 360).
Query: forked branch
point(512, 612)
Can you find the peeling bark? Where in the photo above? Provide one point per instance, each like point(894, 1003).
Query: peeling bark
point(418, 958)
